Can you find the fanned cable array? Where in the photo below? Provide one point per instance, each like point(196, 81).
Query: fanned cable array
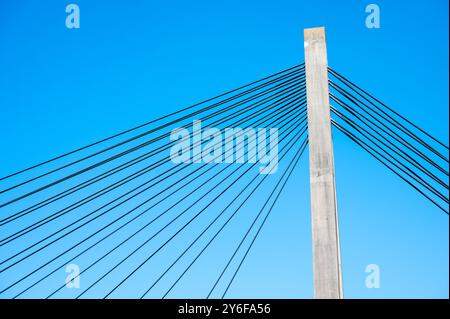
point(135, 222)
point(127, 220)
point(407, 150)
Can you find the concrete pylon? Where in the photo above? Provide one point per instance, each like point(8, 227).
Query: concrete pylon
point(325, 229)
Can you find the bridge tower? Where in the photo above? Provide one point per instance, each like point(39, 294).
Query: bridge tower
point(324, 218)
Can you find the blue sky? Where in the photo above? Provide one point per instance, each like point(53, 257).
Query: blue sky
point(61, 89)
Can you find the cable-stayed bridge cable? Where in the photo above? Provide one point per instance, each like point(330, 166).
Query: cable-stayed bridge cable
point(150, 122)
